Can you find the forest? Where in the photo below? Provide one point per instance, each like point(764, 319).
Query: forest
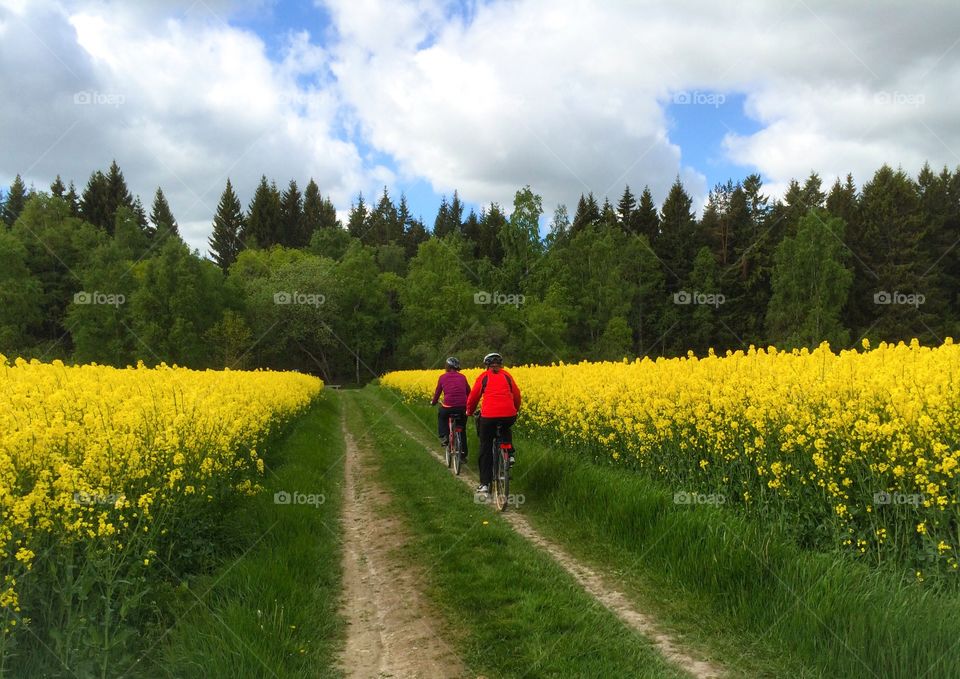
point(91, 276)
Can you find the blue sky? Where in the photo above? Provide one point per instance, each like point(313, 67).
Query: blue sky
point(428, 96)
point(697, 129)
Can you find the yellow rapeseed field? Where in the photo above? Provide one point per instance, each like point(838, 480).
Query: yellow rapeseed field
point(857, 449)
point(93, 454)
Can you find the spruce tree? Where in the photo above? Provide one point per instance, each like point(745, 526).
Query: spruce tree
point(57, 188)
point(588, 212)
point(225, 242)
point(312, 211)
point(292, 232)
point(95, 203)
point(441, 225)
point(647, 221)
point(141, 216)
point(15, 201)
point(357, 219)
point(262, 224)
point(73, 201)
point(162, 218)
point(680, 238)
point(625, 210)
point(118, 195)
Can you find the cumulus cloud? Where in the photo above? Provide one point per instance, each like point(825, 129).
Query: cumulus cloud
point(569, 96)
point(180, 100)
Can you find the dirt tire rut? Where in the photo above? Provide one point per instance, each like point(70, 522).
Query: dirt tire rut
point(391, 632)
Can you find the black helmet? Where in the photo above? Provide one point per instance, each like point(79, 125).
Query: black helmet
point(453, 362)
point(490, 359)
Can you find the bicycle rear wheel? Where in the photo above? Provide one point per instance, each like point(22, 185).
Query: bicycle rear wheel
point(501, 477)
point(448, 449)
point(457, 452)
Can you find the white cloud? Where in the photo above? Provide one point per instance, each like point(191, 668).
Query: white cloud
point(569, 96)
point(180, 101)
point(566, 95)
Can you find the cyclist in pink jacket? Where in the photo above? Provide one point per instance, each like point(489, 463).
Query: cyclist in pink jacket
point(454, 388)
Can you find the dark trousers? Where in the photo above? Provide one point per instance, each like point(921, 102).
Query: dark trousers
point(443, 422)
point(487, 429)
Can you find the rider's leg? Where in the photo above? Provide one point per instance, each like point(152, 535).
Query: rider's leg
point(443, 424)
point(486, 431)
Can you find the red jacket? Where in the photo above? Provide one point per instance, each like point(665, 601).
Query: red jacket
point(501, 398)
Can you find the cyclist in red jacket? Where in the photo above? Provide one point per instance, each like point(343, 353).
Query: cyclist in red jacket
point(454, 387)
point(497, 394)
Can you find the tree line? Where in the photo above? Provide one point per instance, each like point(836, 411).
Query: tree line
point(94, 277)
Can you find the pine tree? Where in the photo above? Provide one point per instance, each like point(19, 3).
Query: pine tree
point(492, 222)
point(441, 225)
point(118, 195)
point(625, 209)
point(647, 221)
point(73, 201)
point(262, 226)
point(384, 222)
point(57, 188)
point(162, 218)
point(141, 216)
point(15, 201)
point(292, 232)
point(588, 212)
point(225, 242)
point(357, 219)
point(456, 213)
point(680, 238)
point(608, 216)
point(312, 211)
point(888, 260)
point(95, 204)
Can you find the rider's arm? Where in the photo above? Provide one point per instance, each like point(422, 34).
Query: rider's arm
point(436, 393)
point(474, 398)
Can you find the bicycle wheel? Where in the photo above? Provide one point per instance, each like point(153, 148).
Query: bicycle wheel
point(457, 452)
point(501, 478)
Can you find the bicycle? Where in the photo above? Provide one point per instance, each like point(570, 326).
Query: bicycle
point(454, 448)
point(501, 471)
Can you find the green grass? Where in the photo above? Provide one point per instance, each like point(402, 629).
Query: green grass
point(510, 609)
point(271, 608)
point(738, 588)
